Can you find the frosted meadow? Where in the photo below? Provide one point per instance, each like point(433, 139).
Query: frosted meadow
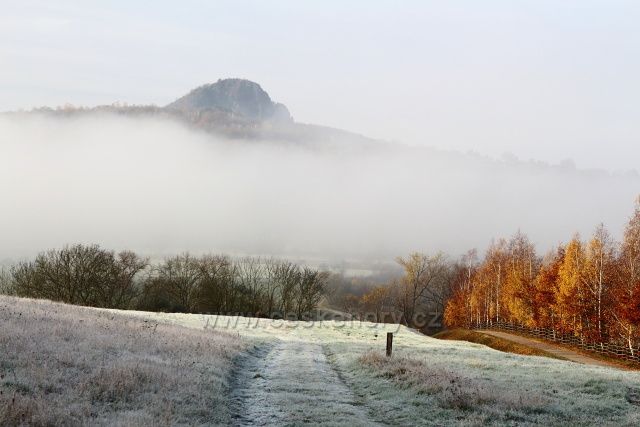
point(430, 381)
point(95, 366)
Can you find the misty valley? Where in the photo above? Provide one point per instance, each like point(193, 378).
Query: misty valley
point(214, 261)
point(213, 178)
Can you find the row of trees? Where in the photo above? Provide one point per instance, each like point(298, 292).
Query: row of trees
point(590, 289)
point(82, 275)
point(92, 276)
point(219, 284)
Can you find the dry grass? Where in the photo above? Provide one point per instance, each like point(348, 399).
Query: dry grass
point(66, 365)
point(451, 389)
point(491, 341)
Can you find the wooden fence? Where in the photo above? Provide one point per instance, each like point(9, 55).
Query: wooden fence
point(608, 349)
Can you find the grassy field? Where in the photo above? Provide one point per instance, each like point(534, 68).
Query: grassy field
point(66, 365)
point(490, 341)
point(437, 382)
point(105, 367)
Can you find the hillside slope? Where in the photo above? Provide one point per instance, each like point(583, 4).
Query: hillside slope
point(426, 382)
point(229, 108)
point(72, 366)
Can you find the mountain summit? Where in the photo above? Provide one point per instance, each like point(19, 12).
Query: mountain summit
point(230, 108)
point(234, 96)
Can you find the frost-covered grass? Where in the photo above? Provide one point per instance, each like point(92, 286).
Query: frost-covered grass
point(436, 382)
point(66, 365)
point(69, 365)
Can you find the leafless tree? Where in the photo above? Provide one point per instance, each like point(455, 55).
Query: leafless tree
point(425, 282)
point(177, 279)
point(309, 290)
point(216, 287)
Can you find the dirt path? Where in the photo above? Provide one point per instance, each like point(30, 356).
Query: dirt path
point(292, 383)
point(556, 350)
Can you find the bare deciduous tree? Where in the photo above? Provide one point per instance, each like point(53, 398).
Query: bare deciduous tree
point(425, 281)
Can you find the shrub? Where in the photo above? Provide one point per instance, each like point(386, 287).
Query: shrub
point(79, 274)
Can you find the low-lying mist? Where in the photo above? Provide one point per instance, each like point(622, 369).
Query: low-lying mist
point(157, 187)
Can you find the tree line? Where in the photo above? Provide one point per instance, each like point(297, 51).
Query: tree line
point(587, 288)
point(92, 276)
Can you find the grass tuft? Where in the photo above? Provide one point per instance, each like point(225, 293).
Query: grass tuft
point(450, 389)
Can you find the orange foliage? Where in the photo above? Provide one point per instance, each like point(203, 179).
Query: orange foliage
point(591, 290)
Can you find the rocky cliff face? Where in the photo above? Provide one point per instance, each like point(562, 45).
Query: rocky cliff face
point(233, 96)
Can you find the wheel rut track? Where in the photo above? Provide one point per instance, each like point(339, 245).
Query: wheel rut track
point(290, 383)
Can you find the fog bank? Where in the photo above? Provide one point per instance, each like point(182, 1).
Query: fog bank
point(157, 187)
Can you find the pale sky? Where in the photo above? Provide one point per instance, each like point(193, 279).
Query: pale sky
point(540, 79)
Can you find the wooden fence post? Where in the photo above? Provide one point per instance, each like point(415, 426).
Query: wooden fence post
point(389, 343)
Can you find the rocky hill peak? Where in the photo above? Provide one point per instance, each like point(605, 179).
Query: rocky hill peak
point(236, 96)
